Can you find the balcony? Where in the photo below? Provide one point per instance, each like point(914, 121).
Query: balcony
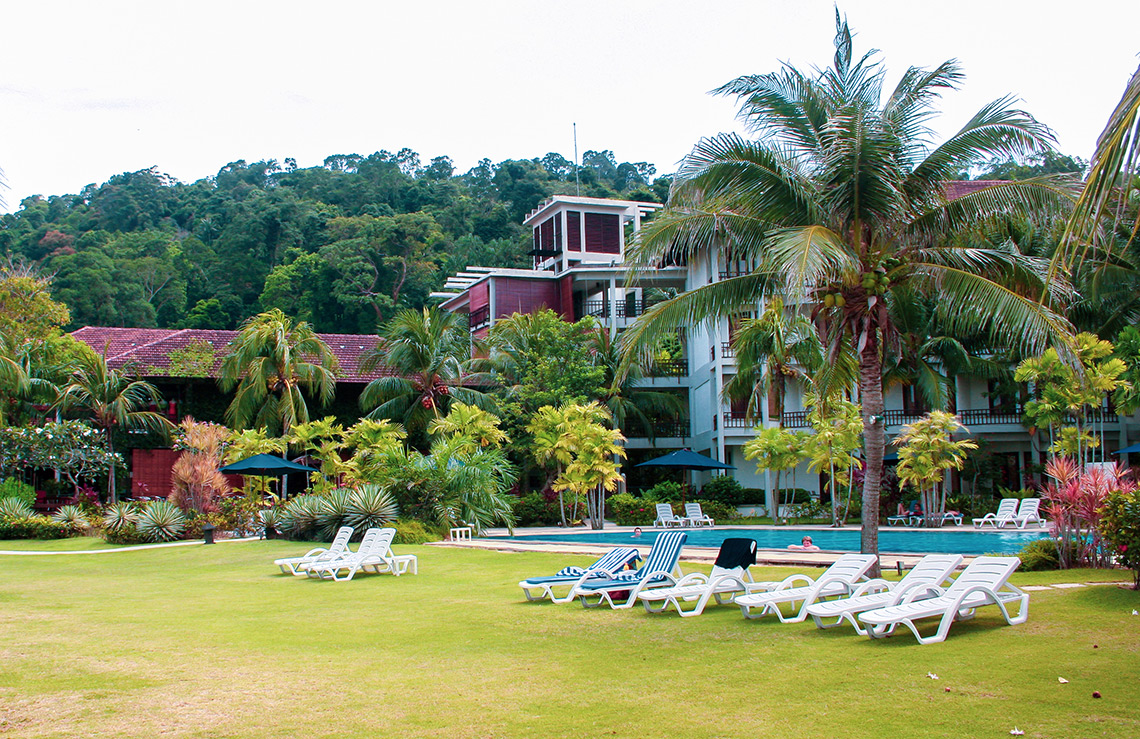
point(479, 318)
point(669, 368)
point(969, 418)
point(625, 308)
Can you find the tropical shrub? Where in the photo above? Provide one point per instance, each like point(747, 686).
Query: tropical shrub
point(119, 524)
point(370, 506)
point(627, 510)
point(1075, 497)
point(662, 492)
point(725, 489)
point(714, 509)
point(195, 477)
point(18, 489)
point(333, 512)
point(271, 519)
point(411, 531)
point(299, 516)
point(1119, 526)
point(161, 520)
point(73, 517)
point(32, 527)
point(15, 508)
point(1039, 555)
point(534, 509)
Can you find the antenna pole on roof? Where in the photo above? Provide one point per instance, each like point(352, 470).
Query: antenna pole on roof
point(577, 185)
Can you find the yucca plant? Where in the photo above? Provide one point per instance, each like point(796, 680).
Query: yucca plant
point(370, 506)
point(272, 520)
point(14, 508)
point(72, 517)
point(299, 516)
point(333, 512)
point(161, 521)
point(119, 517)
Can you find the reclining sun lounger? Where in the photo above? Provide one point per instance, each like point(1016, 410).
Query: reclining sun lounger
point(729, 577)
point(1029, 510)
point(1007, 510)
point(613, 561)
point(837, 580)
point(374, 552)
point(984, 582)
point(666, 517)
point(336, 550)
point(931, 572)
point(694, 516)
point(659, 565)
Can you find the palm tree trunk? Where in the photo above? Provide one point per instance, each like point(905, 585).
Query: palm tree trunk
point(874, 438)
point(111, 475)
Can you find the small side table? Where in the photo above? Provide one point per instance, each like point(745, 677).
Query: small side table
point(461, 533)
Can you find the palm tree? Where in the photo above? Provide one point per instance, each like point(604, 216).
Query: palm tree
point(840, 201)
point(273, 363)
point(424, 351)
point(621, 394)
point(114, 400)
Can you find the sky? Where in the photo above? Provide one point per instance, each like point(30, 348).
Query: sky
point(92, 89)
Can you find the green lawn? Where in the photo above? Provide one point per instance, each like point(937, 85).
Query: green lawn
point(214, 642)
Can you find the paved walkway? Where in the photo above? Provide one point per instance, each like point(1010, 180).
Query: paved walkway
point(134, 548)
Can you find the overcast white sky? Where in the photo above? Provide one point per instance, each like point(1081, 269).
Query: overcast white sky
point(92, 89)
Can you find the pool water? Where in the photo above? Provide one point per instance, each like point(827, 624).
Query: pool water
point(936, 541)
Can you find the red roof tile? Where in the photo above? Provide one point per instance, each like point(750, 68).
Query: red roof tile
point(147, 350)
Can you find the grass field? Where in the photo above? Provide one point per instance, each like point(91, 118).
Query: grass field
point(214, 642)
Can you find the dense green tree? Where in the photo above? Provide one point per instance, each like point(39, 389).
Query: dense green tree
point(273, 363)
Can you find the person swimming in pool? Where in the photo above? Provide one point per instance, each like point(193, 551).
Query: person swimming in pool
point(804, 546)
point(636, 532)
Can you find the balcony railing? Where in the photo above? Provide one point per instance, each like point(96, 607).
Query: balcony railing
point(479, 318)
point(969, 418)
point(625, 308)
point(726, 350)
point(669, 368)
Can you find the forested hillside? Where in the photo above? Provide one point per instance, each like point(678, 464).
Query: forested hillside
point(342, 245)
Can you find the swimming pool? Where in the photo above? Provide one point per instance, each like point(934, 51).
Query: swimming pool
point(934, 541)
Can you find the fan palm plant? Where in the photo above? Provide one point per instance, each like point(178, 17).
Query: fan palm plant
point(423, 353)
point(114, 400)
point(273, 363)
point(840, 201)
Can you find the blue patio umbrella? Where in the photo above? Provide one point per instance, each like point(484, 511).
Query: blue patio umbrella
point(686, 459)
point(1128, 449)
point(265, 465)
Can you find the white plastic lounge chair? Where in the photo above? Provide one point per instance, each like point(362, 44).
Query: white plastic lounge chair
point(984, 582)
point(931, 572)
point(694, 516)
point(1007, 509)
point(1029, 510)
point(666, 517)
point(336, 550)
point(374, 552)
point(837, 580)
point(729, 577)
point(659, 565)
point(613, 561)
point(954, 518)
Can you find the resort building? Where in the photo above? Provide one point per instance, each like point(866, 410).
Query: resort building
point(578, 251)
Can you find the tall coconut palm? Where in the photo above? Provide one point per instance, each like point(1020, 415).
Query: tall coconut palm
point(114, 400)
point(840, 200)
point(424, 351)
point(273, 363)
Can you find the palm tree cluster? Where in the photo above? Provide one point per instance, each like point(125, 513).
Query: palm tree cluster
point(840, 204)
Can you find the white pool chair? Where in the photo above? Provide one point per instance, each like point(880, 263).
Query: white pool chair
point(620, 589)
point(615, 560)
point(336, 550)
point(837, 580)
point(1007, 510)
point(694, 516)
point(373, 555)
point(984, 582)
point(931, 572)
point(666, 517)
point(1029, 510)
point(730, 577)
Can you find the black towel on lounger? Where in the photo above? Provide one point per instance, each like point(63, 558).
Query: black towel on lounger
point(736, 553)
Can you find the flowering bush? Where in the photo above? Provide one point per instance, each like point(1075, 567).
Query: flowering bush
point(627, 510)
point(1119, 526)
point(1075, 498)
point(73, 448)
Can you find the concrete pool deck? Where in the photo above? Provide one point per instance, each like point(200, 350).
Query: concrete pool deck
point(706, 555)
